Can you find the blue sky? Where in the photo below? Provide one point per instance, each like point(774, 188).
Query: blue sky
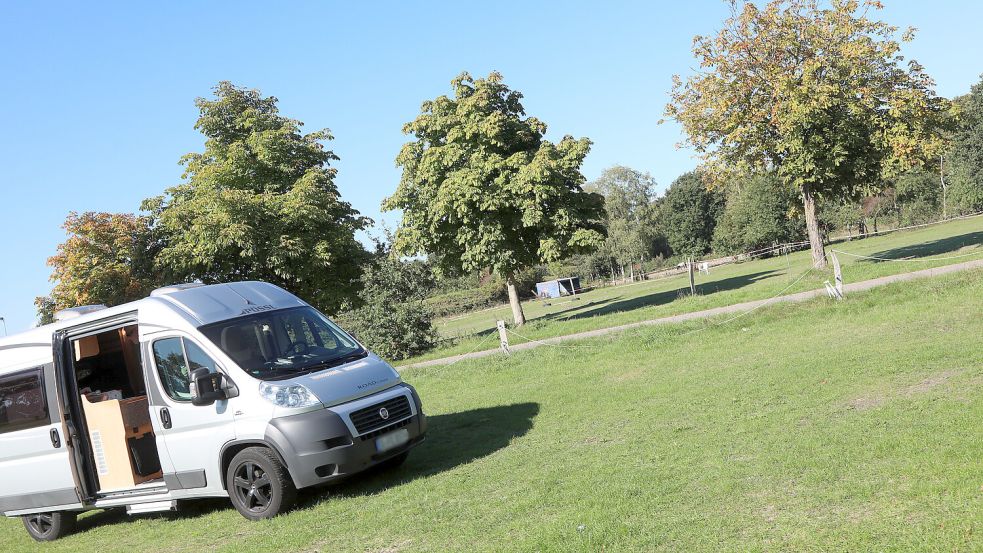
point(97, 102)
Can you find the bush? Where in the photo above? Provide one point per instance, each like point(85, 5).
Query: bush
point(393, 319)
point(489, 291)
point(469, 299)
point(760, 212)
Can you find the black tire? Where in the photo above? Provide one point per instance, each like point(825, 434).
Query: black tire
point(259, 485)
point(395, 462)
point(49, 526)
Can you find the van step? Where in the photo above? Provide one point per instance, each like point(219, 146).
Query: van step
point(151, 507)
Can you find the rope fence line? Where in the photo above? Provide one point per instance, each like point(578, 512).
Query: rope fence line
point(707, 315)
point(710, 324)
point(788, 247)
point(758, 304)
point(908, 259)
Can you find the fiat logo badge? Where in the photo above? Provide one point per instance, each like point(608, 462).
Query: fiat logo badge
point(384, 413)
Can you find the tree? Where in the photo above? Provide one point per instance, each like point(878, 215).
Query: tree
point(260, 203)
point(482, 189)
point(966, 157)
point(107, 258)
point(629, 205)
point(918, 196)
point(392, 318)
point(690, 212)
point(761, 211)
point(821, 96)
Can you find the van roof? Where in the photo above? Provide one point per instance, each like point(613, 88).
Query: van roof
point(203, 304)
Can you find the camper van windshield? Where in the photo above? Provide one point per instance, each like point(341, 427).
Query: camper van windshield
point(283, 343)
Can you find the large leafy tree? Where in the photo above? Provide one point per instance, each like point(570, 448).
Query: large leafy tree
point(260, 203)
point(629, 205)
point(821, 96)
point(690, 212)
point(482, 189)
point(107, 258)
point(966, 156)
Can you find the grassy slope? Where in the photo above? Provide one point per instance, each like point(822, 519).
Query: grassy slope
point(822, 426)
point(724, 286)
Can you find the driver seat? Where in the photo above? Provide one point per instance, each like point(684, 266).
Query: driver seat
point(242, 345)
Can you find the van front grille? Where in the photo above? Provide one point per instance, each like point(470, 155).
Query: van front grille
point(370, 418)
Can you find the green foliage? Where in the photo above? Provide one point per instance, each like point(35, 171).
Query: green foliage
point(842, 217)
point(821, 95)
point(919, 196)
point(260, 203)
point(393, 319)
point(470, 293)
point(478, 296)
point(482, 189)
point(107, 258)
point(761, 211)
point(689, 212)
point(966, 187)
point(629, 204)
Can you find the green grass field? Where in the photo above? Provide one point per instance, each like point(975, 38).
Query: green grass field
point(827, 425)
point(725, 285)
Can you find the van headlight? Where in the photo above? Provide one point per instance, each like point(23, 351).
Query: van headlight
point(290, 395)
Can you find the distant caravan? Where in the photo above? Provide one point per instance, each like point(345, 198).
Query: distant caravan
point(235, 390)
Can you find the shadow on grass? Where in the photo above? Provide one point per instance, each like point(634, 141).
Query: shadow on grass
point(452, 440)
point(935, 247)
point(659, 298)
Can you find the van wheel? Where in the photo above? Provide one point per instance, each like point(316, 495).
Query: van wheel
point(259, 484)
point(49, 526)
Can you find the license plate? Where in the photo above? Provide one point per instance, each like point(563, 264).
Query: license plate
point(391, 440)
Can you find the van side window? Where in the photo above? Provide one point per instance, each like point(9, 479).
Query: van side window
point(197, 358)
point(174, 356)
point(22, 401)
point(172, 368)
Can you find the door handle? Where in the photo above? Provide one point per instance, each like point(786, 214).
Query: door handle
point(55, 439)
point(165, 417)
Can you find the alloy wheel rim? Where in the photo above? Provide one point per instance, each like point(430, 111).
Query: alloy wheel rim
point(253, 487)
point(41, 523)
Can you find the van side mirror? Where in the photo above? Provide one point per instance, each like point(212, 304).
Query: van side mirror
point(208, 387)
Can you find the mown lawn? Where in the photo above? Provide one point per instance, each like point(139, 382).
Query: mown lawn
point(843, 426)
point(725, 285)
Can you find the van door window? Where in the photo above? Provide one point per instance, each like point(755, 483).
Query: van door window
point(197, 358)
point(173, 357)
point(172, 368)
point(22, 401)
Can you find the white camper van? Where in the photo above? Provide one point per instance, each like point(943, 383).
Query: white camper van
point(230, 390)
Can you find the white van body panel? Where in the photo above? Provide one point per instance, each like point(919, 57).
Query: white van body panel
point(191, 450)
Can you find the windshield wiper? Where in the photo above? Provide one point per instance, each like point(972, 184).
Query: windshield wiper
point(335, 361)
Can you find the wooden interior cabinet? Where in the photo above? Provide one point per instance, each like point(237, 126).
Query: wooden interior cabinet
point(112, 424)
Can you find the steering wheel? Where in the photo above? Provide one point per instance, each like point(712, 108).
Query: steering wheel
point(296, 348)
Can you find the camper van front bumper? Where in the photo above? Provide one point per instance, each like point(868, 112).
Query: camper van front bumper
point(318, 447)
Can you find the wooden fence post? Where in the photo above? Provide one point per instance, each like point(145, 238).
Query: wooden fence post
point(692, 279)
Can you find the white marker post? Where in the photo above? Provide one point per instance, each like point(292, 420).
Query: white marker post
point(503, 338)
point(837, 276)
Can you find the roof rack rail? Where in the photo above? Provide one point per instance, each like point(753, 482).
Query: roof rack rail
point(71, 313)
point(164, 290)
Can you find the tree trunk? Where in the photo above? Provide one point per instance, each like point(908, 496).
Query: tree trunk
point(517, 314)
point(812, 227)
